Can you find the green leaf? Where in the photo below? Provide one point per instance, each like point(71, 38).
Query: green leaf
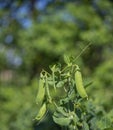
point(53, 68)
point(101, 124)
point(93, 124)
point(62, 111)
point(62, 121)
point(70, 97)
point(66, 59)
point(75, 118)
point(85, 126)
point(60, 84)
point(64, 100)
point(104, 123)
point(88, 84)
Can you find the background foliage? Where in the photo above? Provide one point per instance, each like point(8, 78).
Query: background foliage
point(37, 33)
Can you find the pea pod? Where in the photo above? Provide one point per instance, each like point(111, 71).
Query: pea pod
point(48, 96)
point(41, 112)
point(79, 83)
point(41, 92)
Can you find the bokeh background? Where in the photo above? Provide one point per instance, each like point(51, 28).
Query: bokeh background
point(37, 33)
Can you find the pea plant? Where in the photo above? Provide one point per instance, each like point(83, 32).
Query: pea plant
point(63, 89)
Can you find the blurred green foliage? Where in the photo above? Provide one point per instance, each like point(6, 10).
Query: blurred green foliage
point(64, 30)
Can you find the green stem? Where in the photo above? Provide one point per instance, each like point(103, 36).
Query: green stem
point(54, 81)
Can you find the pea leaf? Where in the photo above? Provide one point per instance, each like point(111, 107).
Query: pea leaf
point(104, 123)
point(62, 121)
point(85, 126)
point(66, 59)
point(60, 84)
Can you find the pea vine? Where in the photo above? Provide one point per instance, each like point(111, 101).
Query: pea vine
point(63, 89)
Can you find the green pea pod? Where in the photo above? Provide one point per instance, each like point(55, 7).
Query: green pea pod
point(48, 96)
point(41, 112)
point(79, 83)
point(41, 92)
